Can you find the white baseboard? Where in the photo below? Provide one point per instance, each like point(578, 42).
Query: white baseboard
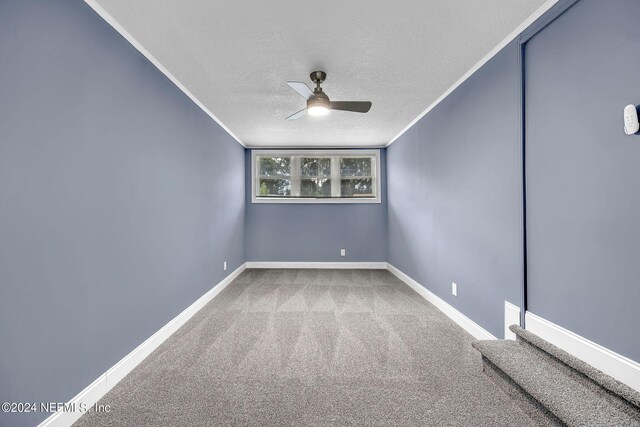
point(105, 382)
point(619, 367)
point(511, 317)
point(334, 265)
point(467, 324)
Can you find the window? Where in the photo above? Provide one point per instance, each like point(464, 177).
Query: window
point(346, 176)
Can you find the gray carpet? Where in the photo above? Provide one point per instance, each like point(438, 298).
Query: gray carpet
point(573, 392)
point(312, 347)
point(600, 378)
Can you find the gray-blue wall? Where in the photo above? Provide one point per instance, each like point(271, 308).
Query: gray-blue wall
point(454, 182)
point(583, 174)
point(119, 201)
point(454, 188)
point(316, 232)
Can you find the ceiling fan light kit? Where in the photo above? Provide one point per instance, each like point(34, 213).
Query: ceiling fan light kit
point(318, 103)
point(317, 110)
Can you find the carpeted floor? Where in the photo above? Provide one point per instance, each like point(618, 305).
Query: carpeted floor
point(312, 347)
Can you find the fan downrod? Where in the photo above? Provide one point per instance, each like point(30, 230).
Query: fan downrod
point(318, 77)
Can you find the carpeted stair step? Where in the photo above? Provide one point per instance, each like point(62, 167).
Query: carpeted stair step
point(603, 380)
point(567, 390)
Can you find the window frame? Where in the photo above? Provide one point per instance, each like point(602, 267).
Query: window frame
point(336, 178)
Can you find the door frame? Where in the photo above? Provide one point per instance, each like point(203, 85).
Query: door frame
point(549, 17)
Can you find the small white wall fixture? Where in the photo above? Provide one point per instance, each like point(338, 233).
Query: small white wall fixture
point(477, 331)
point(511, 317)
point(106, 381)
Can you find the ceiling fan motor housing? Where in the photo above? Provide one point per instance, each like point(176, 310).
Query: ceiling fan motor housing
point(320, 99)
point(318, 103)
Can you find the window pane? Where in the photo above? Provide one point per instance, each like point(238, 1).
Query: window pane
point(356, 188)
point(355, 166)
point(274, 188)
point(315, 188)
point(315, 176)
point(275, 166)
point(315, 166)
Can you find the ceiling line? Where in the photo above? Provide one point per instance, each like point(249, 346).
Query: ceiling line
point(315, 147)
point(124, 33)
point(530, 20)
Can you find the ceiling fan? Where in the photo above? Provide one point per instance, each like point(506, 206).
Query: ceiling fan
point(318, 103)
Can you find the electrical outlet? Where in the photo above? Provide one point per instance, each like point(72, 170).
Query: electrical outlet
point(224, 265)
point(343, 252)
point(454, 289)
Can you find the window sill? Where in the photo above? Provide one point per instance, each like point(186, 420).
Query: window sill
point(329, 201)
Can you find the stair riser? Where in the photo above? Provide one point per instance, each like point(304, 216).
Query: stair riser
point(562, 388)
point(590, 374)
point(524, 400)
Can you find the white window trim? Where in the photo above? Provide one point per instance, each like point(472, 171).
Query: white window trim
point(335, 180)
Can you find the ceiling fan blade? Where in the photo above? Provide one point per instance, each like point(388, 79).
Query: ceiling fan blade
point(302, 89)
point(297, 115)
point(355, 106)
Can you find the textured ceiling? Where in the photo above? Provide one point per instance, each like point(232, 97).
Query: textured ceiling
point(236, 56)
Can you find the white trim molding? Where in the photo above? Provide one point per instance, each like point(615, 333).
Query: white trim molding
point(619, 367)
point(93, 4)
point(332, 265)
point(105, 382)
point(530, 20)
point(463, 321)
point(511, 317)
point(336, 178)
point(515, 33)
